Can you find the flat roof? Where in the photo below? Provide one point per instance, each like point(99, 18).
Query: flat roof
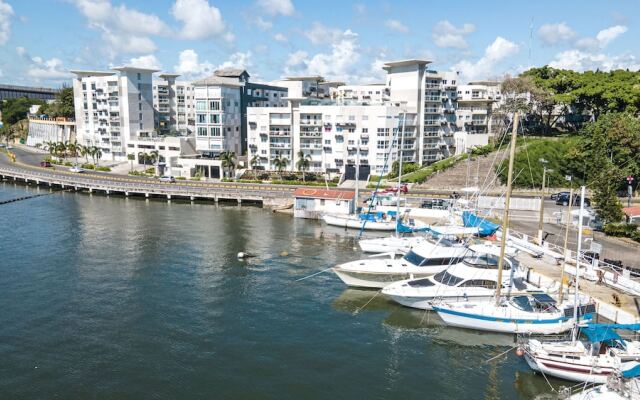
point(304, 78)
point(81, 72)
point(330, 194)
point(129, 68)
point(165, 76)
point(402, 63)
point(29, 89)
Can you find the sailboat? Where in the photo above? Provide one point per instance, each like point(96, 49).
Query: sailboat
point(527, 313)
point(623, 385)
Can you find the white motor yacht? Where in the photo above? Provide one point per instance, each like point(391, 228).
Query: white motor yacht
point(473, 279)
point(425, 259)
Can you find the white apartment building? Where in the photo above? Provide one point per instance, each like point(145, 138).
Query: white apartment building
point(221, 102)
point(174, 104)
point(112, 108)
point(334, 135)
point(374, 93)
point(307, 86)
point(476, 102)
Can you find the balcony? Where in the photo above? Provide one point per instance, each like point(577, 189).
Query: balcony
point(431, 122)
point(479, 111)
point(432, 99)
point(433, 110)
point(280, 133)
point(310, 134)
point(280, 145)
point(350, 124)
point(364, 136)
point(312, 122)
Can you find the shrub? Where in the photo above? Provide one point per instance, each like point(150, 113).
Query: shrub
point(195, 178)
point(181, 178)
point(68, 164)
point(103, 169)
point(623, 230)
point(301, 183)
point(88, 166)
point(150, 171)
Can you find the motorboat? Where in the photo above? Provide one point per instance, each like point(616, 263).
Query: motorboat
point(402, 244)
point(592, 361)
point(536, 313)
point(473, 279)
point(425, 259)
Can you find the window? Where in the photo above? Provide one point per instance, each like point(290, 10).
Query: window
point(202, 131)
point(365, 130)
point(483, 283)
point(351, 142)
point(383, 144)
point(215, 131)
point(321, 202)
point(201, 118)
point(139, 76)
point(214, 105)
point(214, 118)
point(140, 116)
point(201, 105)
point(352, 117)
point(351, 130)
point(447, 279)
point(327, 141)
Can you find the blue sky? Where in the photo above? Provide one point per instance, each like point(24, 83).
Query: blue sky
point(41, 40)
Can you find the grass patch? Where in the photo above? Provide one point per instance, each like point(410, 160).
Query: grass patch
point(422, 174)
point(103, 169)
point(301, 183)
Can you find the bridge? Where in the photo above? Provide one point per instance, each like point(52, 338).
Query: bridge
point(105, 184)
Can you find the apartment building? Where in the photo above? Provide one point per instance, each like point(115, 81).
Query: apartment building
point(374, 93)
point(221, 102)
point(476, 103)
point(113, 107)
point(307, 86)
point(335, 135)
point(173, 101)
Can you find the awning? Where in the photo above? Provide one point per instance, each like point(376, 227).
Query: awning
point(606, 332)
point(485, 228)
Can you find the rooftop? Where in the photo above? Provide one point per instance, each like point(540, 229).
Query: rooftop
point(230, 72)
point(403, 63)
point(168, 76)
point(324, 194)
point(126, 68)
point(82, 73)
point(633, 211)
point(317, 78)
point(214, 80)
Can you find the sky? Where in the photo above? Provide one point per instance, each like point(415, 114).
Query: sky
point(41, 40)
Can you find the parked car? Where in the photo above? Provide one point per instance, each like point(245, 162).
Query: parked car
point(76, 169)
point(167, 178)
point(556, 195)
point(394, 189)
point(563, 200)
point(46, 164)
point(435, 204)
point(9, 147)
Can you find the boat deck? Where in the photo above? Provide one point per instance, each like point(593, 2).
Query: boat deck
point(603, 294)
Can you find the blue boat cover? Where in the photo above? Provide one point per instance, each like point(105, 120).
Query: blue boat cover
point(485, 228)
point(631, 369)
point(606, 332)
point(402, 228)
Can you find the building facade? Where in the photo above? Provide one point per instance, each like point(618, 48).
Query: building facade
point(113, 108)
point(221, 102)
point(43, 130)
point(476, 103)
point(173, 102)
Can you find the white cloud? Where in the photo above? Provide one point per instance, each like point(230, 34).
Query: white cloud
point(552, 34)
point(341, 63)
point(445, 34)
point(22, 52)
point(275, 7)
point(581, 61)
point(6, 12)
point(319, 34)
point(190, 66)
point(201, 20)
point(280, 37)
point(500, 50)
point(264, 24)
point(396, 25)
point(149, 61)
point(51, 69)
point(361, 9)
point(608, 35)
point(125, 30)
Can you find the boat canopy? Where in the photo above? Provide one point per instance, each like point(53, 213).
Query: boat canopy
point(606, 332)
point(402, 228)
point(630, 369)
point(485, 227)
point(453, 230)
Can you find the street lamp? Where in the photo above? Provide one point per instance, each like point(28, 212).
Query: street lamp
point(541, 219)
point(629, 190)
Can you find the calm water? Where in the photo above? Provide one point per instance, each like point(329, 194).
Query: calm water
point(115, 298)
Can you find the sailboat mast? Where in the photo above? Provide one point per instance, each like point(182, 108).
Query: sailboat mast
point(358, 177)
point(404, 117)
point(564, 249)
point(507, 203)
point(574, 332)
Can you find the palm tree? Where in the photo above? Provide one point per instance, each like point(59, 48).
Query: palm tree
point(84, 152)
point(61, 150)
point(73, 150)
point(98, 154)
point(255, 161)
point(304, 161)
point(154, 156)
point(280, 163)
point(228, 161)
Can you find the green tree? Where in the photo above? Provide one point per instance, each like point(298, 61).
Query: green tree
point(255, 161)
point(280, 163)
point(228, 162)
point(14, 110)
point(303, 163)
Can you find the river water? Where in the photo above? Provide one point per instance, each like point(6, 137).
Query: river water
point(133, 299)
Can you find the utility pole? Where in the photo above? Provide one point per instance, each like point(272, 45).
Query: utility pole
point(541, 219)
point(566, 241)
point(629, 190)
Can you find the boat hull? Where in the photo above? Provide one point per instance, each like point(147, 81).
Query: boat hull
point(377, 280)
point(389, 244)
point(504, 324)
point(575, 372)
point(356, 223)
point(426, 303)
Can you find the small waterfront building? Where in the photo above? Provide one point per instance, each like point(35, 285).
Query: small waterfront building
point(311, 203)
point(42, 130)
point(633, 214)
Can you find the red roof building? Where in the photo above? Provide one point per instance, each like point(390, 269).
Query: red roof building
point(327, 194)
